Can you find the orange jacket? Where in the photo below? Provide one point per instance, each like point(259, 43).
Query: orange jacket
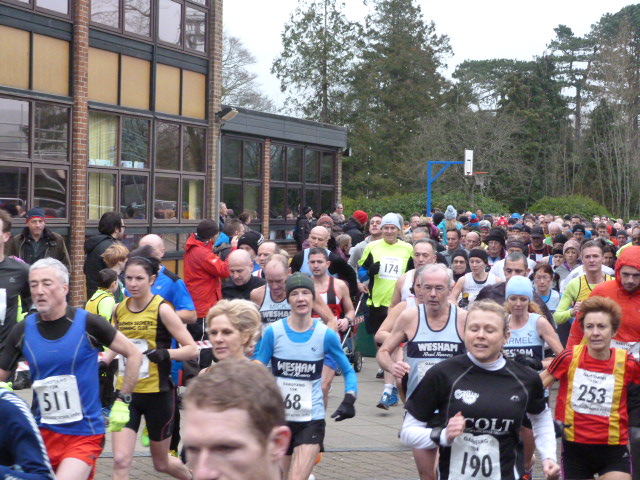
point(203, 274)
point(629, 302)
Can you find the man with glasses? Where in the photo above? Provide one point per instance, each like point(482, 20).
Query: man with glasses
point(433, 332)
point(111, 228)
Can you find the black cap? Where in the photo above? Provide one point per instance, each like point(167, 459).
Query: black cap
point(579, 228)
point(518, 227)
point(299, 280)
point(207, 229)
point(537, 232)
point(253, 239)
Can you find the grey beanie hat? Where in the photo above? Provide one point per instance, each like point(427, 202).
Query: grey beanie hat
point(450, 213)
point(391, 219)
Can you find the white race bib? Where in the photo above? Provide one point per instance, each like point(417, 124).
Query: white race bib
point(423, 367)
point(475, 458)
point(592, 392)
point(59, 399)
point(143, 346)
point(298, 399)
point(390, 268)
point(632, 347)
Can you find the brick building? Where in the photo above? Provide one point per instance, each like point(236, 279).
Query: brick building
point(111, 105)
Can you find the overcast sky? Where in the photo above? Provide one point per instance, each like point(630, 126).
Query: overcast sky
point(477, 29)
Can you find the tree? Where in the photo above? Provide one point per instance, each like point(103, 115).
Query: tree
point(239, 85)
point(319, 46)
point(393, 87)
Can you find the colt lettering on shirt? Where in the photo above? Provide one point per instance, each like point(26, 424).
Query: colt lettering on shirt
point(488, 425)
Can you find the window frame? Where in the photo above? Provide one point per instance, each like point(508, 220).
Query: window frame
point(31, 6)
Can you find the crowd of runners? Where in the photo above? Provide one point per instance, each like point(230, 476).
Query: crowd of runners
point(474, 317)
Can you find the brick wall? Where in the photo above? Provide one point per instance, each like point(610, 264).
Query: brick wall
point(266, 190)
point(80, 142)
point(214, 95)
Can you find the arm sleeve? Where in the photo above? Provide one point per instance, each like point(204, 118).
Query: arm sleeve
point(12, 347)
point(563, 312)
point(215, 266)
point(416, 434)
point(22, 436)
point(264, 349)
point(296, 262)
point(332, 346)
point(341, 268)
point(100, 330)
point(365, 262)
point(356, 254)
point(544, 433)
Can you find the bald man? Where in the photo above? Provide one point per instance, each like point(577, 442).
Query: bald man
point(319, 238)
point(241, 282)
point(264, 251)
point(169, 285)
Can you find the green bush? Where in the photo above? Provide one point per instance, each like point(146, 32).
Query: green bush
point(407, 204)
point(573, 204)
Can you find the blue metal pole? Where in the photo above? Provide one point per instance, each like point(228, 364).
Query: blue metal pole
point(431, 178)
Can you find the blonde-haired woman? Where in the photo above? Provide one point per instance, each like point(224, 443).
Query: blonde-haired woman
point(233, 327)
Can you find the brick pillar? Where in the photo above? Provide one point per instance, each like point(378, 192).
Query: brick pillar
point(339, 177)
point(214, 96)
point(266, 184)
point(80, 147)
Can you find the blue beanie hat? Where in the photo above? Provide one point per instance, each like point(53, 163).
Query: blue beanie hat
point(519, 285)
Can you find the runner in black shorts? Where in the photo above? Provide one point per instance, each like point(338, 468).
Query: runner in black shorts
point(482, 398)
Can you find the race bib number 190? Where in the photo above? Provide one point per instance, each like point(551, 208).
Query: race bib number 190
point(475, 457)
point(59, 399)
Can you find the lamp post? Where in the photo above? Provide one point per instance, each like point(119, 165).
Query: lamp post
point(224, 115)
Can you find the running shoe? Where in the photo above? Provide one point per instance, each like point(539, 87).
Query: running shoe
point(394, 397)
point(385, 401)
point(380, 373)
point(144, 438)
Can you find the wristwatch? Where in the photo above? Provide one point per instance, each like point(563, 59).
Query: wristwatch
point(125, 397)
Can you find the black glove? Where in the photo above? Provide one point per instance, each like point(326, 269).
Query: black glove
point(559, 428)
point(530, 362)
point(373, 269)
point(464, 302)
point(158, 355)
point(346, 408)
point(102, 367)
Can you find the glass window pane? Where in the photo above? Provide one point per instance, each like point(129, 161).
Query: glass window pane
point(50, 191)
point(294, 164)
point(13, 190)
point(165, 203)
point(277, 162)
point(294, 197)
point(312, 199)
point(14, 127)
point(192, 199)
point(133, 196)
point(311, 162)
point(60, 6)
point(103, 139)
point(326, 201)
point(201, 2)
point(232, 197)
point(137, 17)
point(194, 149)
point(252, 199)
point(170, 18)
point(106, 12)
point(194, 29)
point(167, 146)
point(326, 168)
point(231, 149)
point(277, 203)
point(102, 194)
point(135, 142)
point(51, 132)
point(251, 160)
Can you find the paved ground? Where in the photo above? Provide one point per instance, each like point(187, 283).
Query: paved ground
point(363, 448)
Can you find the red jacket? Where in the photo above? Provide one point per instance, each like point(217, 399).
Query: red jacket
point(629, 302)
point(203, 274)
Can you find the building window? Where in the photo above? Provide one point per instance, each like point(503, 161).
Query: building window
point(56, 7)
point(34, 154)
point(125, 16)
point(291, 164)
point(242, 175)
point(183, 24)
point(180, 166)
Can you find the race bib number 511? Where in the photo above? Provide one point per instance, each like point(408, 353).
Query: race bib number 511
point(59, 399)
point(475, 457)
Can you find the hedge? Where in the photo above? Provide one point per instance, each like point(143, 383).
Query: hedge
point(570, 205)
